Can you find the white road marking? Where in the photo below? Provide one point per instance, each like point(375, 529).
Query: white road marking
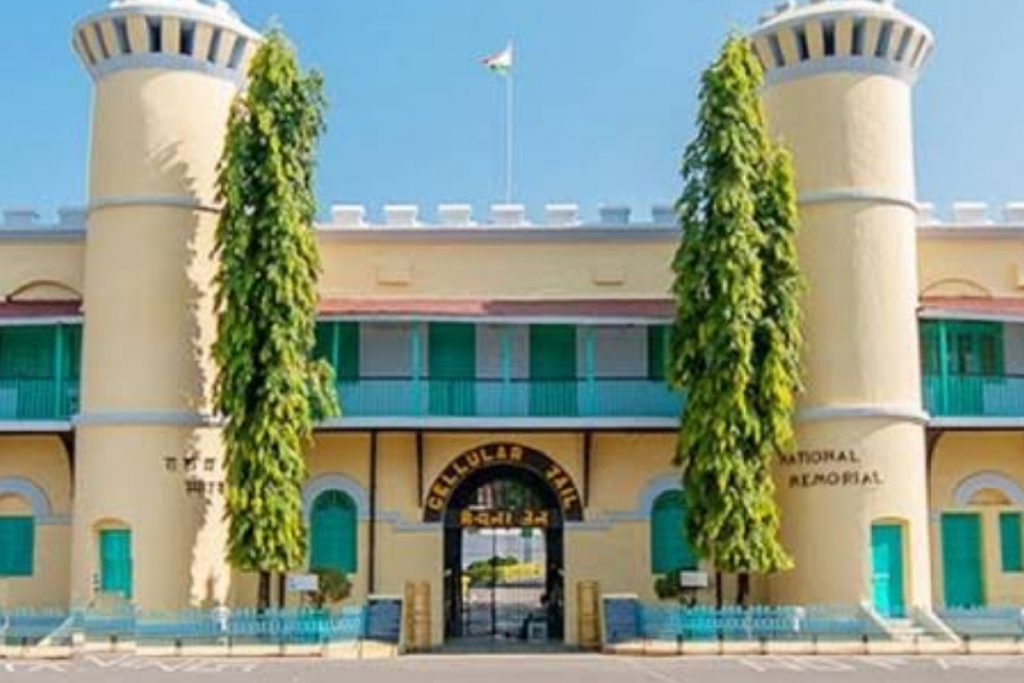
point(885, 663)
point(649, 672)
point(825, 665)
point(764, 664)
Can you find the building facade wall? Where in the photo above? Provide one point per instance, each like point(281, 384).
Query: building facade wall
point(148, 452)
point(967, 468)
point(35, 479)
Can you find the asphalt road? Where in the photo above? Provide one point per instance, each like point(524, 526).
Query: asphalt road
point(534, 669)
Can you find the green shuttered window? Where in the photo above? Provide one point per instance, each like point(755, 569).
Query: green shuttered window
point(17, 546)
point(452, 349)
point(553, 370)
point(972, 348)
point(116, 562)
point(39, 369)
point(338, 344)
point(1011, 536)
point(670, 549)
point(27, 352)
point(657, 352)
point(333, 531)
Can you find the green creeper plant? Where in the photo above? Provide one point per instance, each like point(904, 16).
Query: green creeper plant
point(268, 387)
point(333, 587)
point(735, 343)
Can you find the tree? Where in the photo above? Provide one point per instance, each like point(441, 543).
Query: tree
point(735, 346)
point(268, 387)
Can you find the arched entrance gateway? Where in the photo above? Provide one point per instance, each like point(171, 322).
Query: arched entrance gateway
point(504, 509)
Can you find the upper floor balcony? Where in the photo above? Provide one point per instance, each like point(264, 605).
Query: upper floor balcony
point(973, 371)
point(459, 373)
point(39, 374)
point(516, 374)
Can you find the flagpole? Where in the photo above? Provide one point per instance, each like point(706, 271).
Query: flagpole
point(509, 131)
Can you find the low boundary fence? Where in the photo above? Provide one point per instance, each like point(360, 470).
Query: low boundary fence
point(985, 623)
point(240, 627)
point(630, 621)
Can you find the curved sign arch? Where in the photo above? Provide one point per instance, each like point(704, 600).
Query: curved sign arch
point(503, 455)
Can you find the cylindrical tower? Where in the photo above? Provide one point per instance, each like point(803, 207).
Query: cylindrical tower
point(838, 93)
point(147, 511)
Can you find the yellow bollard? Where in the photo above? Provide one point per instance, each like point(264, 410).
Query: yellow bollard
point(588, 614)
point(408, 631)
point(421, 640)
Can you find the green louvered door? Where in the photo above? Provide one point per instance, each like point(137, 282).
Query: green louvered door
point(553, 371)
point(17, 546)
point(887, 569)
point(452, 357)
point(116, 562)
point(670, 548)
point(27, 373)
point(333, 532)
point(962, 561)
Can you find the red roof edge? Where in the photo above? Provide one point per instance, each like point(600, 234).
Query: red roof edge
point(482, 308)
point(39, 309)
point(989, 306)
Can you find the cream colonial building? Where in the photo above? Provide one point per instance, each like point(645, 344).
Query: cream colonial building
point(499, 358)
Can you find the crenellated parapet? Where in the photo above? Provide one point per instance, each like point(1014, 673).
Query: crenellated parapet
point(962, 214)
point(501, 216)
point(198, 35)
point(967, 214)
point(823, 36)
point(28, 219)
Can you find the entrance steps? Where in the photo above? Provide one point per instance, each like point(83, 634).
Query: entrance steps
point(920, 625)
point(906, 631)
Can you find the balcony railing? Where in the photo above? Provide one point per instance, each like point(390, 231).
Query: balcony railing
point(974, 395)
point(38, 400)
point(515, 398)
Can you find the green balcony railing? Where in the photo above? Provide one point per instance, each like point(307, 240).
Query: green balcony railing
point(974, 395)
point(37, 400)
point(594, 397)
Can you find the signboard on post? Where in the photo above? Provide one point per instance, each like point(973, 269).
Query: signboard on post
point(621, 618)
point(694, 580)
point(384, 618)
point(302, 583)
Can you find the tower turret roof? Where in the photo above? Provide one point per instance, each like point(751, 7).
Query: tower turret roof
point(794, 10)
point(217, 12)
point(799, 39)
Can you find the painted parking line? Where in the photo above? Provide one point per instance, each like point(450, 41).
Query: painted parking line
point(882, 663)
point(648, 671)
point(797, 664)
point(127, 663)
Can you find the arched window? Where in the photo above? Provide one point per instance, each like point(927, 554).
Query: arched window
point(333, 533)
point(670, 549)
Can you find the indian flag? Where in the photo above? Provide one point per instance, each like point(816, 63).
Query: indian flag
point(500, 63)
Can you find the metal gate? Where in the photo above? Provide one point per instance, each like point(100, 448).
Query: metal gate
point(503, 567)
point(504, 583)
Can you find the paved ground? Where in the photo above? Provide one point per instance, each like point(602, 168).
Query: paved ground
point(531, 669)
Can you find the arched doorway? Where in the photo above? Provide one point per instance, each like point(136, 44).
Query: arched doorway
point(504, 509)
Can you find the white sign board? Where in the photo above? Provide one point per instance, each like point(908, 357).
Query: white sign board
point(693, 580)
point(303, 583)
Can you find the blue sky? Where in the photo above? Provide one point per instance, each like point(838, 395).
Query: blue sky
point(606, 93)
